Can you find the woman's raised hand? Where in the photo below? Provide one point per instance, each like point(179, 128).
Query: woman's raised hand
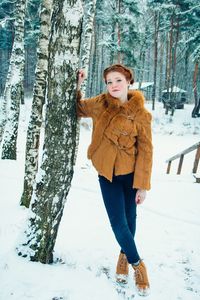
point(81, 77)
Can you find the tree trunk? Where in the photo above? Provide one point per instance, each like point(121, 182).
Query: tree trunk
point(102, 53)
point(142, 58)
point(95, 60)
point(14, 92)
point(174, 55)
point(86, 38)
point(186, 69)
point(89, 90)
point(170, 56)
point(55, 174)
point(161, 61)
point(148, 63)
point(156, 30)
point(119, 55)
point(195, 110)
point(39, 92)
point(85, 51)
point(169, 66)
point(167, 62)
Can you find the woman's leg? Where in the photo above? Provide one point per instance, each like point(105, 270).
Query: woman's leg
point(130, 205)
point(114, 200)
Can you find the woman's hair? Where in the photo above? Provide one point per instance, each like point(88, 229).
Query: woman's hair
point(128, 73)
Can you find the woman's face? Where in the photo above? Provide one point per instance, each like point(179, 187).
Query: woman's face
point(117, 85)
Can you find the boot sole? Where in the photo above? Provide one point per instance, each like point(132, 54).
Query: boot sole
point(122, 278)
point(143, 292)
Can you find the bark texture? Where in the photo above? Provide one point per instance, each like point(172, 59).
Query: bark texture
point(14, 92)
point(39, 92)
point(195, 111)
point(55, 173)
point(86, 38)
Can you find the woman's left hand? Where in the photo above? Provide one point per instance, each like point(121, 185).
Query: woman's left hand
point(140, 196)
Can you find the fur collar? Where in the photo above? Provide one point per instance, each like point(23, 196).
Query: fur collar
point(135, 101)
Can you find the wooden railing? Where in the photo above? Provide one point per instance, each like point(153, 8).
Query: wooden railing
point(181, 157)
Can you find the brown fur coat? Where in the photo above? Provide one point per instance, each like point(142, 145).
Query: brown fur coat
point(121, 138)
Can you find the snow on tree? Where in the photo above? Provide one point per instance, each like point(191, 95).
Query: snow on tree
point(13, 93)
point(192, 14)
point(39, 92)
point(55, 173)
point(86, 37)
point(100, 51)
point(85, 50)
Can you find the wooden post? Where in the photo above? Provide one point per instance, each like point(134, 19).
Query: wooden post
point(196, 161)
point(169, 166)
point(180, 164)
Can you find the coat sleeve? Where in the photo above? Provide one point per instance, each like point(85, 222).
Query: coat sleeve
point(86, 108)
point(143, 164)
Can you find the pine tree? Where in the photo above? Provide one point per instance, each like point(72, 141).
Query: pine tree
point(128, 31)
point(115, 40)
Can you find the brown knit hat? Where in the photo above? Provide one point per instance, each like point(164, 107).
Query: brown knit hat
point(121, 69)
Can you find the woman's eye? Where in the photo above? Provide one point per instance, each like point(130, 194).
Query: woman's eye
point(109, 82)
point(119, 80)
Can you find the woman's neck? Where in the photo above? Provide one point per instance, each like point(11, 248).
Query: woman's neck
point(123, 99)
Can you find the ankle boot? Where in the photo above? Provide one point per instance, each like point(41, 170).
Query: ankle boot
point(141, 279)
point(122, 268)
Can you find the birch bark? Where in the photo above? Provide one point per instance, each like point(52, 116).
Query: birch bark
point(55, 173)
point(14, 92)
point(86, 38)
point(39, 92)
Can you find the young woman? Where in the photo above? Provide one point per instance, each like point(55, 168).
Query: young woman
point(121, 152)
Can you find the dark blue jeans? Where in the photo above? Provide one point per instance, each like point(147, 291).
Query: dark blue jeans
point(119, 200)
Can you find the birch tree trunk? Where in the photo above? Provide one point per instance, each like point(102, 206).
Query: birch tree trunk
point(55, 174)
point(85, 52)
point(95, 76)
point(14, 93)
point(86, 38)
point(91, 67)
point(39, 91)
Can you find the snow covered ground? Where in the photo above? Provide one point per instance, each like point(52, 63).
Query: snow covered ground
point(168, 232)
